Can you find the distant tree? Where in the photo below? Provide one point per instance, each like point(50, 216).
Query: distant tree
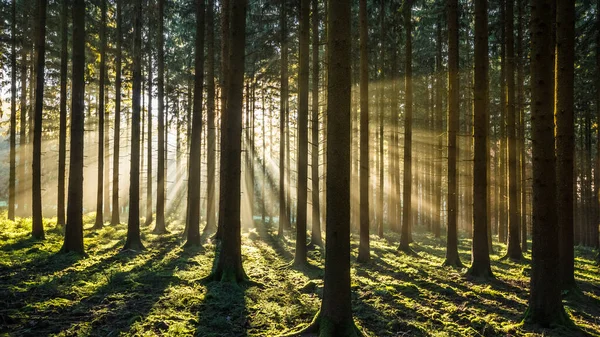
point(74, 226)
point(228, 265)
point(149, 209)
point(134, 241)
point(40, 58)
point(193, 216)
point(480, 266)
point(62, 137)
point(316, 238)
point(405, 237)
point(452, 257)
point(302, 161)
point(160, 227)
point(13, 111)
point(565, 140)
point(363, 249)
point(439, 125)
point(283, 219)
point(115, 218)
point(101, 113)
point(545, 304)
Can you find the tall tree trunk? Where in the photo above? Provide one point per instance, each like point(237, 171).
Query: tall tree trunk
point(160, 169)
point(115, 219)
point(316, 212)
point(481, 258)
point(405, 237)
point(595, 230)
point(228, 266)
point(74, 226)
point(149, 213)
point(302, 160)
point(565, 141)
point(363, 250)
point(452, 257)
point(194, 174)
point(22, 209)
point(62, 138)
point(101, 112)
point(282, 122)
point(36, 184)
point(502, 221)
point(439, 125)
point(134, 241)
point(545, 305)
point(380, 166)
point(520, 105)
point(514, 234)
point(210, 116)
point(13, 112)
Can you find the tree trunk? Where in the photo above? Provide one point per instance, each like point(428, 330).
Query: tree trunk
point(229, 260)
point(149, 213)
point(22, 129)
point(316, 212)
point(452, 257)
point(36, 185)
point(134, 241)
point(405, 237)
point(160, 227)
point(565, 141)
point(282, 122)
point(211, 225)
point(13, 112)
point(545, 305)
point(115, 219)
point(363, 250)
point(74, 226)
point(101, 112)
point(502, 156)
point(194, 174)
point(481, 258)
point(302, 160)
point(62, 138)
point(520, 108)
point(439, 125)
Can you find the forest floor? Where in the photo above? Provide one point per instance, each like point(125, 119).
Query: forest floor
point(158, 291)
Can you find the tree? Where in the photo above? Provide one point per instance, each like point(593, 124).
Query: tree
point(565, 141)
point(300, 256)
point(335, 316)
point(134, 242)
point(545, 305)
point(117, 127)
point(149, 213)
point(74, 226)
point(480, 266)
point(452, 258)
point(316, 211)
point(210, 116)
point(408, 87)
point(160, 227)
point(36, 163)
point(514, 218)
point(228, 265)
point(439, 125)
point(62, 138)
point(101, 112)
point(283, 219)
point(363, 249)
point(13, 112)
point(193, 216)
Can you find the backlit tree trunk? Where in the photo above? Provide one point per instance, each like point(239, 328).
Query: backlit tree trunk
point(101, 113)
point(115, 218)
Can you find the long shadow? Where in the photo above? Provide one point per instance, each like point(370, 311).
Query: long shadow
point(223, 311)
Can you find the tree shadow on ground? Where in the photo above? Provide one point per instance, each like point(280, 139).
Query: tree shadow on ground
point(223, 311)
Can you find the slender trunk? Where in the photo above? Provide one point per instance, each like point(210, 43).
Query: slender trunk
point(101, 113)
point(74, 226)
point(210, 113)
point(282, 122)
point(36, 184)
point(316, 213)
point(437, 220)
point(117, 127)
point(160, 169)
point(149, 213)
point(502, 235)
point(363, 250)
point(13, 112)
point(22, 131)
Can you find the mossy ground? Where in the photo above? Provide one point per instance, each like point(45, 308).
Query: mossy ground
point(158, 291)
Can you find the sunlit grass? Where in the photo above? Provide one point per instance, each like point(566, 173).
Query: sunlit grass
point(158, 291)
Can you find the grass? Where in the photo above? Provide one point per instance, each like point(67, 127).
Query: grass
point(157, 292)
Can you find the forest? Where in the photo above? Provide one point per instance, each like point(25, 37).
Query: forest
point(327, 168)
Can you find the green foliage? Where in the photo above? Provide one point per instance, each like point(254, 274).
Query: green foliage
point(159, 292)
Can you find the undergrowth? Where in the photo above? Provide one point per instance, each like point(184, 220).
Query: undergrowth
point(158, 292)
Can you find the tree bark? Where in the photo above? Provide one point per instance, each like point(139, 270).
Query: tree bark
point(545, 305)
point(315, 238)
point(62, 137)
point(480, 266)
point(116, 207)
point(40, 57)
point(194, 174)
point(13, 112)
point(211, 225)
point(282, 122)
point(74, 226)
point(452, 257)
point(439, 125)
point(160, 227)
point(101, 112)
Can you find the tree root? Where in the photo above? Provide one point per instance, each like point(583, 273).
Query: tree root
point(323, 328)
